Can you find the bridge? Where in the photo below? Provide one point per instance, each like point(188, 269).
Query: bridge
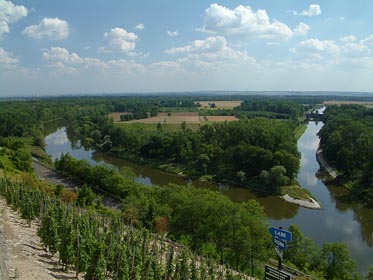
point(315, 117)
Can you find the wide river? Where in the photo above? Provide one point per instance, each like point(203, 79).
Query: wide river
point(338, 221)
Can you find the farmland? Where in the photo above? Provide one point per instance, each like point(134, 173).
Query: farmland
point(219, 104)
point(177, 118)
point(345, 102)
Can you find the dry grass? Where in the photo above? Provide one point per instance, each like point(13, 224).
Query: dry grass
point(221, 118)
point(219, 104)
point(180, 117)
point(346, 102)
point(116, 115)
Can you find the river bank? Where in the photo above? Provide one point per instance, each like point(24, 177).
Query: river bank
point(310, 204)
point(320, 158)
point(292, 194)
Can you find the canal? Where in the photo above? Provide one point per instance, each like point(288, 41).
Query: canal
point(338, 221)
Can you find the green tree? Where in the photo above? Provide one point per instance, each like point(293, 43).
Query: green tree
point(302, 251)
point(85, 197)
point(337, 262)
point(369, 276)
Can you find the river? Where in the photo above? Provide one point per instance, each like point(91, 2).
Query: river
point(338, 221)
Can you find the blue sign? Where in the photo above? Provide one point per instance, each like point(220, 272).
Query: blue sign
point(279, 243)
point(280, 234)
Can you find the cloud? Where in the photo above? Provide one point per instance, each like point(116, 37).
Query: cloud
point(368, 41)
point(140, 26)
point(329, 50)
point(316, 49)
point(172, 33)
point(4, 28)
point(301, 29)
point(61, 60)
point(243, 21)
point(313, 10)
point(10, 13)
point(355, 50)
point(211, 53)
point(48, 28)
point(119, 40)
point(7, 60)
point(348, 39)
point(210, 45)
point(327, 55)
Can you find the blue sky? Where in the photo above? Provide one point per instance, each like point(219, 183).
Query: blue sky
point(113, 46)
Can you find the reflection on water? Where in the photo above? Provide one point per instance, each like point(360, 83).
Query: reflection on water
point(339, 221)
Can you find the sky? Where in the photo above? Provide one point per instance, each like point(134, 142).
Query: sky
point(121, 46)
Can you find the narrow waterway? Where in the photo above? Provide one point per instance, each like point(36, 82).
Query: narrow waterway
point(338, 221)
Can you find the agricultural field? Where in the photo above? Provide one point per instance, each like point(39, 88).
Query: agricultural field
point(177, 118)
point(170, 127)
point(219, 104)
point(116, 115)
point(344, 102)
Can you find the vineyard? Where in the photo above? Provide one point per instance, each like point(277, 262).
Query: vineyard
point(98, 245)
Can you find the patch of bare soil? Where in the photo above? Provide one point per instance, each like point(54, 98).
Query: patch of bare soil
point(22, 252)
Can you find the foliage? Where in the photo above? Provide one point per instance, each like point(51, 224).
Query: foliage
point(346, 140)
point(101, 246)
point(331, 261)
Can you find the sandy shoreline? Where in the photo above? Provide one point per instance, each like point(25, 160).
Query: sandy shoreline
point(311, 204)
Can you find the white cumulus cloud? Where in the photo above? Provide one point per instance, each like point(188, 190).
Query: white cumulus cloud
point(140, 26)
point(8, 61)
point(172, 33)
point(61, 60)
point(211, 44)
point(48, 28)
point(301, 29)
point(10, 13)
point(355, 50)
point(119, 40)
point(368, 41)
point(313, 10)
point(317, 49)
point(243, 21)
point(348, 39)
point(210, 53)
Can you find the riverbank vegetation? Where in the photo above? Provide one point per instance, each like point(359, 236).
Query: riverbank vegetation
point(346, 141)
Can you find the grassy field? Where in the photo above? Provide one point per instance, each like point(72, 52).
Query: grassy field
point(342, 102)
point(172, 127)
point(296, 192)
point(219, 104)
point(177, 118)
point(298, 132)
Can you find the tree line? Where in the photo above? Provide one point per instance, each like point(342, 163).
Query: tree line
point(346, 141)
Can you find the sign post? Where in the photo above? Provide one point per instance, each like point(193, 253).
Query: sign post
point(280, 238)
point(281, 234)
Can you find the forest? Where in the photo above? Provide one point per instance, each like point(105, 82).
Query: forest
point(214, 235)
point(346, 141)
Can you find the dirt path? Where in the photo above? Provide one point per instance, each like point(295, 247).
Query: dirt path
point(47, 174)
point(22, 253)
